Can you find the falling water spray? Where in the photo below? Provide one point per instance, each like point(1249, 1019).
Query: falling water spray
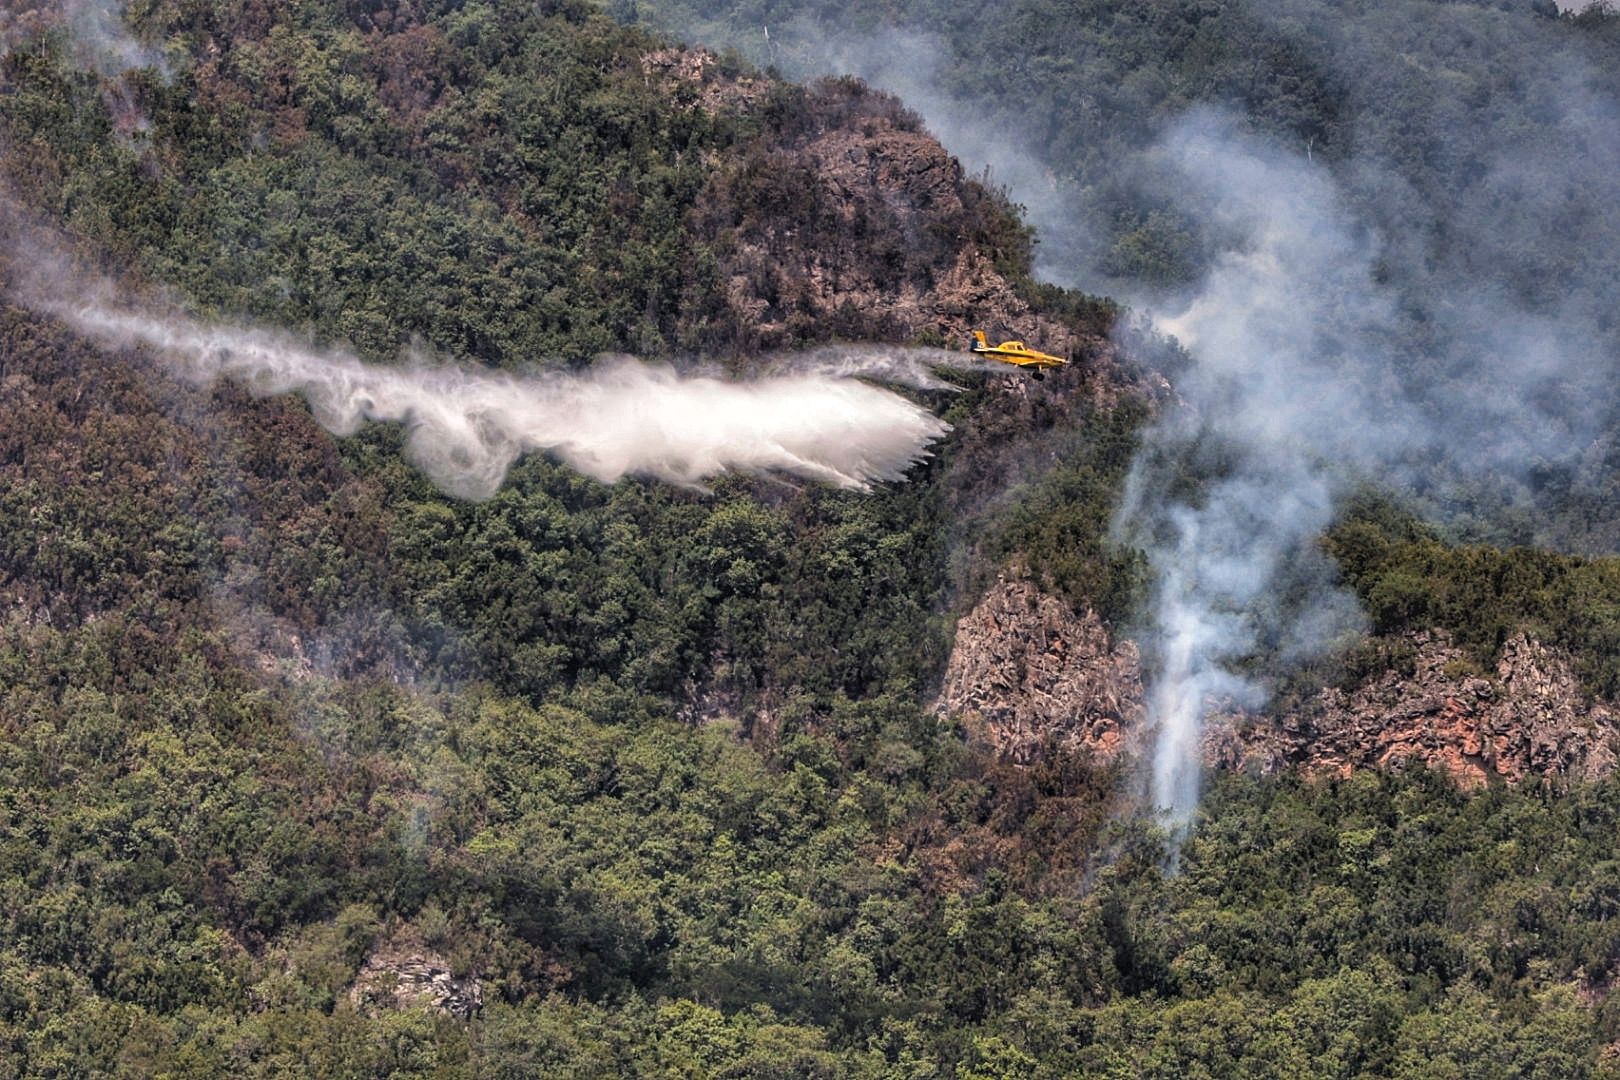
point(465, 427)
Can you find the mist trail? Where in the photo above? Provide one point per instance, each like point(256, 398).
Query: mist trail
point(910, 365)
point(465, 427)
point(1353, 325)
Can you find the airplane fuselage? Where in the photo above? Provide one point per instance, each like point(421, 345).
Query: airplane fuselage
point(1015, 353)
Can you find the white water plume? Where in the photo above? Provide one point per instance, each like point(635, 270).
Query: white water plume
point(914, 366)
point(465, 428)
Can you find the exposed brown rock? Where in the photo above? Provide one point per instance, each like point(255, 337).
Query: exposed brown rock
point(398, 979)
point(697, 71)
point(893, 182)
point(1529, 718)
point(1027, 670)
point(849, 215)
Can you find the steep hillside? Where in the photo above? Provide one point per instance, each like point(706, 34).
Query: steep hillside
point(1029, 676)
point(307, 768)
point(1469, 142)
point(285, 731)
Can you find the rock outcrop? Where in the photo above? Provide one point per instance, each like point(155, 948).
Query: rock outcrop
point(879, 250)
point(1027, 672)
point(845, 214)
point(1528, 718)
point(393, 979)
point(698, 77)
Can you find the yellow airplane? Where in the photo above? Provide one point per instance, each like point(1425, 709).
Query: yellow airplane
point(1015, 353)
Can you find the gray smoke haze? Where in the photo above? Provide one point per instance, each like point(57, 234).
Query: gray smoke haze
point(1256, 330)
point(911, 64)
point(1354, 321)
point(1351, 329)
point(1301, 386)
point(1275, 418)
point(1298, 392)
point(97, 29)
point(465, 427)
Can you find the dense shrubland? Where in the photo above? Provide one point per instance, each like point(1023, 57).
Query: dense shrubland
point(654, 765)
point(1409, 577)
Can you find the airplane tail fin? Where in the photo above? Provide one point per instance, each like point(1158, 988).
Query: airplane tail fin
point(978, 337)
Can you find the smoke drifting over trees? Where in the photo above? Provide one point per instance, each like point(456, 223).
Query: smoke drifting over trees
point(97, 28)
point(281, 725)
point(1385, 237)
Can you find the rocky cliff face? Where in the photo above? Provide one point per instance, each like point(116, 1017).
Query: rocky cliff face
point(1527, 718)
point(1027, 670)
point(844, 214)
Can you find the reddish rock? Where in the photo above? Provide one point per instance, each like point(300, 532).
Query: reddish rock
point(1529, 718)
point(847, 214)
point(1027, 670)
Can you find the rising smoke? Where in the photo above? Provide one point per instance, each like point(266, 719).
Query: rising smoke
point(464, 427)
point(1305, 385)
point(96, 28)
point(1348, 331)
point(1272, 427)
point(1358, 318)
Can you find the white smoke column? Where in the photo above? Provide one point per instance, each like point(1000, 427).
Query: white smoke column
point(1301, 385)
point(1279, 410)
point(103, 40)
point(1214, 563)
point(464, 428)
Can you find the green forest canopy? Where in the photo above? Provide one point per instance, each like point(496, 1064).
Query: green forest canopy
point(321, 708)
